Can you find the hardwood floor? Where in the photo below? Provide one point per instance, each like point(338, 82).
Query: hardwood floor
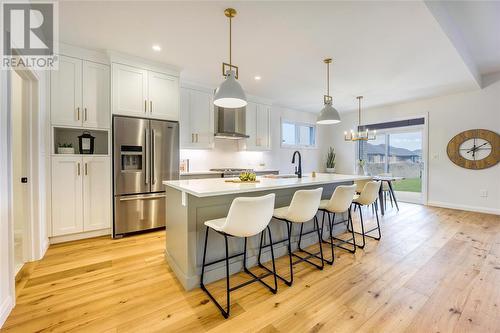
point(435, 270)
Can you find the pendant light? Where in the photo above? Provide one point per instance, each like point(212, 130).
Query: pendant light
point(328, 114)
point(230, 94)
point(358, 135)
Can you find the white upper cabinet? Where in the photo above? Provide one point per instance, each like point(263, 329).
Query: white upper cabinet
point(197, 125)
point(67, 203)
point(66, 92)
point(163, 92)
point(130, 90)
point(80, 94)
point(258, 127)
point(96, 103)
point(96, 193)
point(263, 133)
point(142, 93)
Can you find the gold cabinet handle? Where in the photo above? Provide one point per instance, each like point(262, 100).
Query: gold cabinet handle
point(78, 113)
point(192, 137)
point(78, 172)
point(151, 106)
point(85, 114)
point(145, 106)
point(86, 173)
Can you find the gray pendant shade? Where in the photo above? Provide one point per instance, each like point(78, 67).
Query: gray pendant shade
point(328, 115)
point(230, 94)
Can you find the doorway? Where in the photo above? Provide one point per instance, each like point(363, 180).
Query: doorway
point(399, 152)
point(20, 167)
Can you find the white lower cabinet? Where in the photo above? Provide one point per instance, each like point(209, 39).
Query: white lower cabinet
point(96, 193)
point(67, 195)
point(81, 194)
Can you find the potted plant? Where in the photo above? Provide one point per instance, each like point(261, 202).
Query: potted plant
point(361, 169)
point(330, 160)
point(65, 148)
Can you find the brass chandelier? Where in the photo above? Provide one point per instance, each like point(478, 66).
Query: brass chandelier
point(358, 135)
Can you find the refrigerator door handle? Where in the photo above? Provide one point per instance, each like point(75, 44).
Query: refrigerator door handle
point(153, 153)
point(142, 197)
point(146, 181)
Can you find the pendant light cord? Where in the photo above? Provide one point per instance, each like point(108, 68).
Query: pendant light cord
point(359, 112)
point(230, 28)
point(328, 79)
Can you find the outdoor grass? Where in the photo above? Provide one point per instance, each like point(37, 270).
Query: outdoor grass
point(408, 185)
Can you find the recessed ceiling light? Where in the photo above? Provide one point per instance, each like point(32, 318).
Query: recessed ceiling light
point(257, 78)
point(156, 47)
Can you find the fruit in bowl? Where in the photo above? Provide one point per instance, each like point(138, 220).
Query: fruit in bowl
point(248, 177)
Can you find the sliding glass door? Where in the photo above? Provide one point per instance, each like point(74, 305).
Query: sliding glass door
point(397, 152)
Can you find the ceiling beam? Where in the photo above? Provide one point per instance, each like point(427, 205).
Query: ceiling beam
point(449, 27)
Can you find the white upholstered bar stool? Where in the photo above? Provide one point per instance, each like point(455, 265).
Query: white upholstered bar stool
point(247, 217)
point(302, 209)
point(339, 203)
point(368, 196)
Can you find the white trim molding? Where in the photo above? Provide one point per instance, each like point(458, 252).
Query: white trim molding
point(5, 308)
point(486, 210)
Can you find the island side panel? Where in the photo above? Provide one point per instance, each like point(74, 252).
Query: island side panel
point(177, 232)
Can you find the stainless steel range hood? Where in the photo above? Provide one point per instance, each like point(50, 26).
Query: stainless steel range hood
point(230, 123)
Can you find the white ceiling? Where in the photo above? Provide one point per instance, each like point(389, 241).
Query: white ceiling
point(386, 51)
point(478, 23)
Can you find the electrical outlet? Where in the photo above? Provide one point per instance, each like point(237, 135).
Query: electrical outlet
point(483, 193)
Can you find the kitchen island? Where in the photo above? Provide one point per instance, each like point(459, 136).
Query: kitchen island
point(192, 202)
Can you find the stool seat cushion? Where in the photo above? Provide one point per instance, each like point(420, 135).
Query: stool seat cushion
point(216, 224)
point(281, 213)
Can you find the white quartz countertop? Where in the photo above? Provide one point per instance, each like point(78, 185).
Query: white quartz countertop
point(218, 186)
point(208, 172)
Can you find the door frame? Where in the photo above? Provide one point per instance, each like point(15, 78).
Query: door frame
point(35, 100)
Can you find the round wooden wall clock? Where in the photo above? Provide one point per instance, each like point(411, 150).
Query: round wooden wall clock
point(475, 149)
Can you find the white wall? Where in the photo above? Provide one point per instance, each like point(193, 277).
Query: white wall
point(449, 185)
point(226, 152)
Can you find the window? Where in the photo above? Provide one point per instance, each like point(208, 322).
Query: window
point(295, 134)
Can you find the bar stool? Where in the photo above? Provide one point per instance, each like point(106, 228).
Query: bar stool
point(303, 208)
point(368, 196)
point(339, 203)
point(247, 217)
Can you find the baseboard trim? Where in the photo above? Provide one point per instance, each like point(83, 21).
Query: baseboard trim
point(464, 207)
point(78, 236)
point(5, 308)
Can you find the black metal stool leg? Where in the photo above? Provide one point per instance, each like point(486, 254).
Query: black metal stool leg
point(274, 264)
point(224, 312)
point(289, 229)
point(362, 228)
point(227, 279)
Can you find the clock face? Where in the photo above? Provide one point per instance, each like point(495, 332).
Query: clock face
point(475, 149)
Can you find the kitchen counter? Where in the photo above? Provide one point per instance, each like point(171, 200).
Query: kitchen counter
point(219, 186)
point(192, 202)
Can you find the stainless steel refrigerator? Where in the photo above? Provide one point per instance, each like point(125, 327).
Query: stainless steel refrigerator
point(145, 152)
